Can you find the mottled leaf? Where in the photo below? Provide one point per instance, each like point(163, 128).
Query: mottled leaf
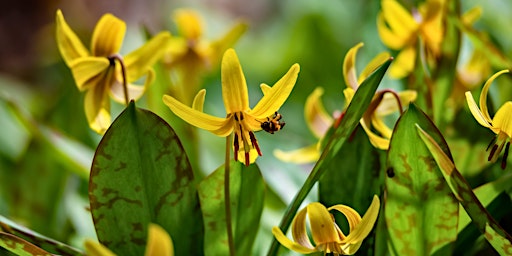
point(141, 175)
point(19, 246)
point(421, 212)
point(350, 120)
point(247, 189)
point(499, 239)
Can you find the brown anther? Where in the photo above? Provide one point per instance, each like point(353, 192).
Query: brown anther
point(254, 142)
point(493, 151)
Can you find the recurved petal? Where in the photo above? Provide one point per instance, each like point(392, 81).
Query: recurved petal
point(198, 102)
point(97, 108)
point(483, 95)
point(389, 103)
point(188, 23)
point(139, 61)
point(317, 118)
point(289, 243)
point(69, 44)
point(219, 126)
point(376, 140)
point(503, 119)
point(96, 249)
point(373, 65)
point(404, 63)
point(309, 154)
point(352, 216)
point(323, 228)
point(87, 71)
point(234, 87)
point(349, 67)
point(299, 232)
point(159, 242)
point(477, 114)
point(108, 35)
point(361, 231)
point(277, 95)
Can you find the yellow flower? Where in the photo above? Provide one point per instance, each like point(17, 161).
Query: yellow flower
point(327, 236)
point(191, 54)
point(159, 244)
point(101, 70)
point(500, 124)
point(240, 119)
point(400, 30)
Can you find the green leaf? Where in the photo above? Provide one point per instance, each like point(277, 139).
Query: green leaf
point(355, 111)
point(421, 212)
point(499, 239)
point(19, 246)
point(247, 189)
point(141, 175)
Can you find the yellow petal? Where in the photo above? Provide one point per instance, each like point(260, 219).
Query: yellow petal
point(89, 71)
point(503, 119)
point(265, 88)
point(398, 18)
point(322, 225)
point(234, 87)
point(253, 155)
point(376, 140)
point(97, 108)
point(107, 36)
point(316, 117)
point(404, 63)
point(198, 102)
point(475, 111)
point(299, 232)
point(469, 17)
point(139, 61)
point(69, 44)
point(219, 126)
point(349, 67)
point(159, 242)
point(373, 65)
point(389, 104)
point(309, 154)
point(96, 249)
point(290, 244)
point(483, 95)
point(381, 127)
point(352, 216)
point(188, 23)
point(388, 37)
point(277, 95)
point(364, 227)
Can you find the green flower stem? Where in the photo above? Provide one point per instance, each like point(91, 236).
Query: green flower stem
point(227, 199)
point(119, 58)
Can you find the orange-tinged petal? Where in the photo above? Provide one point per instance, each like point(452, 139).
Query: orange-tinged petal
point(322, 225)
point(69, 44)
point(309, 154)
point(349, 67)
point(107, 36)
point(97, 108)
point(316, 117)
point(361, 231)
point(96, 249)
point(485, 91)
point(503, 119)
point(373, 65)
point(219, 126)
point(299, 232)
point(289, 243)
point(404, 63)
point(88, 71)
point(475, 111)
point(159, 242)
point(188, 23)
point(234, 87)
point(277, 95)
point(139, 61)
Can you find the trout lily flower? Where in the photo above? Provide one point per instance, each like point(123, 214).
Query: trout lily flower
point(500, 124)
point(159, 244)
point(240, 119)
point(399, 30)
point(191, 54)
point(102, 71)
point(327, 236)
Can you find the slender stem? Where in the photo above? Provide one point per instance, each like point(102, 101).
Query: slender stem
point(227, 199)
point(119, 58)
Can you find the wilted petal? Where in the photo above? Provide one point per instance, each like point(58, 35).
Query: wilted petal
point(88, 71)
point(404, 63)
point(349, 67)
point(217, 125)
point(234, 86)
point(277, 95)
point(69, 44)
point(317, 118)
point(322, 225)
point(305, 155)
point(159, 242)
point(108, 35)
point(139, 61)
